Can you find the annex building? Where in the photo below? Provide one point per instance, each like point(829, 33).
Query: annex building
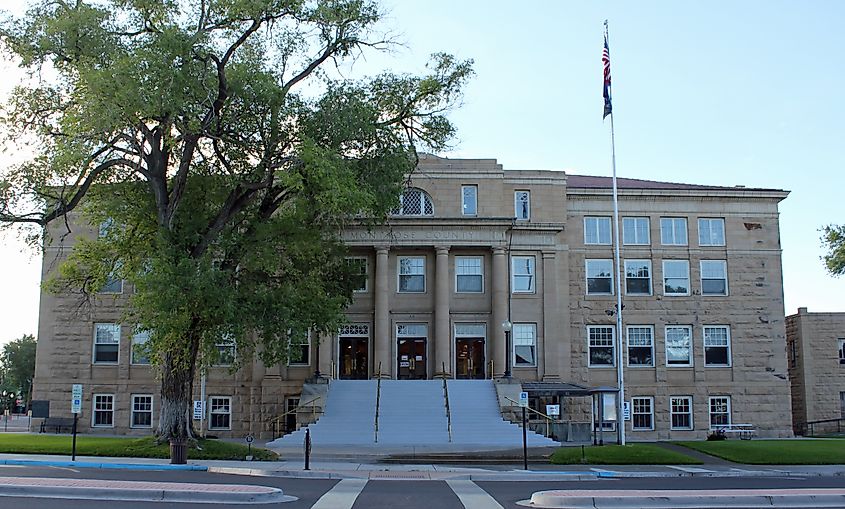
point(816, 353)
point(472, 247)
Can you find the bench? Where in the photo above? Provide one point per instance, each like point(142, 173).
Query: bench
point(57, 424)
point(743, 431)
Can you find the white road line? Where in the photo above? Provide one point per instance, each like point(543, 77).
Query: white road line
point(342, 496)
point(472, 496)
point(691, 470)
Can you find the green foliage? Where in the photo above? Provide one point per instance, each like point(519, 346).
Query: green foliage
point(17, 366)
point(775, 452)
point(226, 162)
point(833, 241)
point(630, 454)
point(146, 447)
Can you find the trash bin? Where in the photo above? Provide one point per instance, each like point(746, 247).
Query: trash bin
point(178, 452)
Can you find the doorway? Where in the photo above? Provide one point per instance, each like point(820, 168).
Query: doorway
point(353, 358)
point(411, 362)
point(469, 358)
point(290, 414)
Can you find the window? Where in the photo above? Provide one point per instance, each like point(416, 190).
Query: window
point(523, 274)
point(113, 285)
point(140, 351)
point(714, 277)
point(414, 202)
point(358, 268)
point(638, 277)
point(220, 412)
point(103, 416)
point(524, 344)
point(106, 343)
point(681, 412)
point(142, 411)
point(469, 200)
point(225, 350)
point(599, 277)
point(635, 231)
point(717, 345)
point(640, 345)
point(469, 274)
point(105, 227)
point(720, 411)
point(411, 274)
point(299, 353)
point(841, 351)
point(673, 231)
point(642, 413)
point(597, 230)
point(676, 277)
point(711, 231)
point(678, 351)
point(522, 205)
point(601, 352)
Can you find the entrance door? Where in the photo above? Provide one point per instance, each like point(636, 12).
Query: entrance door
point(411, 359)
point(353, 358)
point(469, 362)
point(290, 415)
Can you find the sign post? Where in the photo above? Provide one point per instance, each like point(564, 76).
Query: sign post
point(523, 402)
point(75, 409)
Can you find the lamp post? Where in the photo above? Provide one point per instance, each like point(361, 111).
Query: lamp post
point(507, 326)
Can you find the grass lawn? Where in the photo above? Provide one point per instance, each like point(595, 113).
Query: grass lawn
point(829, 451)
point(631, 454)
point(123, 447)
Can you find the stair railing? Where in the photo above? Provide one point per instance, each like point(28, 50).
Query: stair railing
point(490, 371)
point(275, 423)
point(378, 400)
point(448, 410)
point(548, 418)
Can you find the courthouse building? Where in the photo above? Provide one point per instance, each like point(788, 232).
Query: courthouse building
point(474, 246)
point(816, 353)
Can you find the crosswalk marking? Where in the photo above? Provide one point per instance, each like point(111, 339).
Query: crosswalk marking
point(472, 496)
point(342, 495)
point(691, 470)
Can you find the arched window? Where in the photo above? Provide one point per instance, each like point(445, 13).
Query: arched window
point(414, 202)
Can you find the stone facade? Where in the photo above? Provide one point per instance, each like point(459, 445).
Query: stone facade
point(816, 356)
point(474, 246)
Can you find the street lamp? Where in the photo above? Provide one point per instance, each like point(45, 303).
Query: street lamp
point(507, 326)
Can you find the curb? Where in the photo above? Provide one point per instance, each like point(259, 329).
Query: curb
point(673, 499)
point(139, 491)
point(105, 466)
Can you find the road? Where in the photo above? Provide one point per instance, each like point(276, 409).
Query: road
point(375, 494)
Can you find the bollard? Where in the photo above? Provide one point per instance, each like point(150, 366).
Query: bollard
point(307, 449)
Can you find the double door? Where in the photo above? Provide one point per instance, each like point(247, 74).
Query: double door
point(469, 358)
point(353, 358)
point(411, 361)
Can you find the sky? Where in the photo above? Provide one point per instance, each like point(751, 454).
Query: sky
point(718, 92)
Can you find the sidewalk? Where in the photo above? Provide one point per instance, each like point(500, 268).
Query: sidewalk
point(344, 468)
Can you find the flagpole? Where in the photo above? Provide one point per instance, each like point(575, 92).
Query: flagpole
point(620, 376)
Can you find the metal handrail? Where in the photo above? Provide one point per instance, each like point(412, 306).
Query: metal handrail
point(378, 400)
point(277, 420)
point(548, 418)
point(491, 369)
point(448, 410)
point(811, 425)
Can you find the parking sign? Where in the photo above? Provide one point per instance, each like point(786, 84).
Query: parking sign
point(76, 399)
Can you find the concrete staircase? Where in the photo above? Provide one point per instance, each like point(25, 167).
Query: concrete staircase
point(412, 415)
point(412, 412)
point(477, 419)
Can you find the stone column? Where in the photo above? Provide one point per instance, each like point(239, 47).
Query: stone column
point(500, 289)
point(552, 328)
point(382, 334)
point(442, 293)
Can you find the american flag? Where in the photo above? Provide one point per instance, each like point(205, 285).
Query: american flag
point(605, 60)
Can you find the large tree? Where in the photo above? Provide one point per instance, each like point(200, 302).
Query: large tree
point(211, 143)
point(833, 241)
point(17, 367)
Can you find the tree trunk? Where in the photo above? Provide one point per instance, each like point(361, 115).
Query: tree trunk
point(174, 418)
